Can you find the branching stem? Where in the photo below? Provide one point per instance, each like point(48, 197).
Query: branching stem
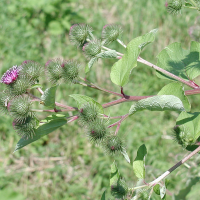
point(141, 60)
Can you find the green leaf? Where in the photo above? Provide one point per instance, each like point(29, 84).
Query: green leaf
point(180, 62)
point(114, 176)
point(176, 89)
point(124, 153)
point(41, 131)
point(107, 54)
point(156, 189)
point(48, 98)
point(90, 64)
point(188, 4)
point(36, 86)
point(138, 163)
point(52, 117)
point(103, 197)
point(158, 103)
point(189, 125)
point(121, 69)
point(82, 99)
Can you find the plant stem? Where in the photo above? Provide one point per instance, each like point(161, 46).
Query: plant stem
point(195, 8)
point(192, 92)
point(91, 85)
point(65, 106)
point(40, 90)
point(194, 3)
point(73, 118)
point(120, 42)
point(106, 48)
point(116, 123)
point(119, 123)
point(128, 98)
point(174, 167)
point(141, 60)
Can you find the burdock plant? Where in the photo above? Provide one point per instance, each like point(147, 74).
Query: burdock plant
point(32, 88)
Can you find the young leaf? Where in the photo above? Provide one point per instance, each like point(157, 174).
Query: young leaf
point(121, 69)
point(114, 176)
point(162, 192)
point(90, 64)
point(48, 98)
point(138, 163)
point(124, 153)
point(176, 89)
point(158, 103)
point(107, 54)
point(181, 62)
point(36, 86)
point(156, 189)
point(118, 186)
point(189, 128)
point(41, 131)
point(82, 99)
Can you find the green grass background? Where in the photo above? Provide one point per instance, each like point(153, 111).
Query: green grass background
point(64, 165)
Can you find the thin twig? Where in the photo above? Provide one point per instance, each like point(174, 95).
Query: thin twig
point(73, 118)
point(92, 85)
point(174, 167)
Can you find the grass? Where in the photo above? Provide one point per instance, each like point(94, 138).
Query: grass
point(64, 165)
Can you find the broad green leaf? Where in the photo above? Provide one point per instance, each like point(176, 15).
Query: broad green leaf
point(82, 99)
point(176, 89)
point(121, 69)
point(41, 131)
point(103, 197)
point(138, 163)
point(114, 176)
point(158, 103)
point(181, 62)
point(48, 98)
point(189, 128)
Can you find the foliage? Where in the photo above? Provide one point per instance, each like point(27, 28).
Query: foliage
point(85, 148)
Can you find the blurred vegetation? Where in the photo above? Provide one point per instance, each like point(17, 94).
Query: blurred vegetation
point(64, 165)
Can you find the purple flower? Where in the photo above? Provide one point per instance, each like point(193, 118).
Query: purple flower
point(10, 75)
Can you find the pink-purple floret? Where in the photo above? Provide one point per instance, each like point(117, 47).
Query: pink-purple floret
point(10, 75)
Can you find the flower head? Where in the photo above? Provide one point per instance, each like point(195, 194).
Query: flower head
point(78, 33)
point(174, 6)
point(92, 48)
point(10, 75)
point(111, 32)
